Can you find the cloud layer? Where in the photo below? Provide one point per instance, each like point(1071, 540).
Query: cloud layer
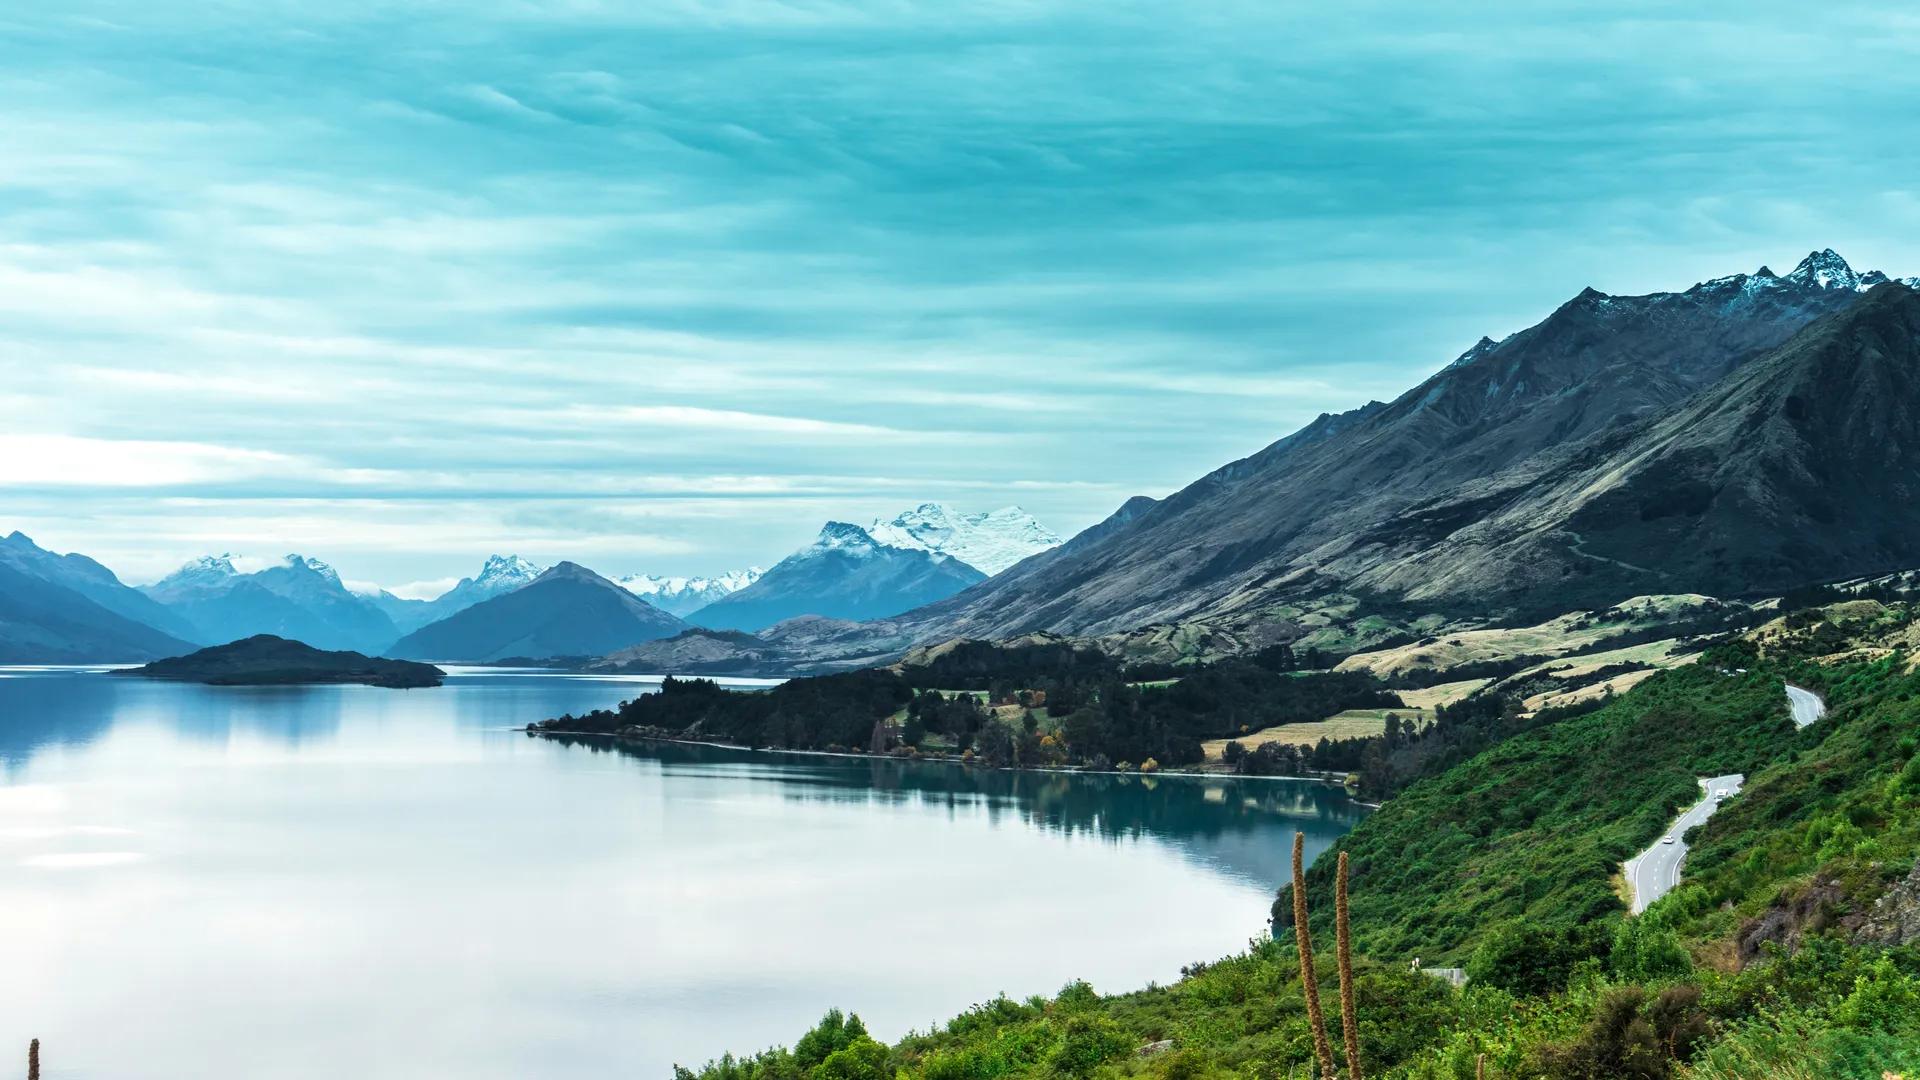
point(662, 285)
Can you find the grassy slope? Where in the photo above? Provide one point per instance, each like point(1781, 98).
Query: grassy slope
point(1534, 827)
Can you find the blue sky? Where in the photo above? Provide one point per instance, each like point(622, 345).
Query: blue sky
point(662, 286)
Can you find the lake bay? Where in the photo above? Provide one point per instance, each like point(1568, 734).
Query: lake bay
point(306, 881)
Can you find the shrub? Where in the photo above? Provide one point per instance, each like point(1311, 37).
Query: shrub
point(1526, 958)
point(862, 1059)
point(1086, 1042)
point(1883, 999)
point(1645, 952)
point(835, 1032)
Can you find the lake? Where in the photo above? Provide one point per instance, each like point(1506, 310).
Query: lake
point(316, 881)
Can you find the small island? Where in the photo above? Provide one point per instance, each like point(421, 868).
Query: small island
point(266, 660)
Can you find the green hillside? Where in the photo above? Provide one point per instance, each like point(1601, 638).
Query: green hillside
point(1779, 956)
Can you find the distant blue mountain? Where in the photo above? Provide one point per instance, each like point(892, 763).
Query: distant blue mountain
point(567, 611)
point(91, 580)
point(501, 574)
point(300, 598)
point(42, 622)
point(844, 574)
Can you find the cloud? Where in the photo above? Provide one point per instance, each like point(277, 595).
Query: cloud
point(740, 423)
point(422, 590)
point(69, 461)
point(400, 287)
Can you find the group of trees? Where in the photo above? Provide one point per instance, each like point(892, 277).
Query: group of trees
point(1046, 704)
point(827, 711)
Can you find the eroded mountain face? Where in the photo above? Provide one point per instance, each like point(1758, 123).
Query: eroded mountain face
point(1519, 477)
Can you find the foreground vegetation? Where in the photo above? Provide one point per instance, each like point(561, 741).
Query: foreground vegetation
point(1786, 953)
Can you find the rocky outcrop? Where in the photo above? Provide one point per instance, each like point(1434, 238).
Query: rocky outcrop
point(1820, 906)
point(1894, 919)
point(1824, 905)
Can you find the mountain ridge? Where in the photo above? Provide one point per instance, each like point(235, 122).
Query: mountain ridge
point(1251, 534)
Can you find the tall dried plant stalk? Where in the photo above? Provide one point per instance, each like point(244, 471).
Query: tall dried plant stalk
point(33, 1060)
point(1343, 944)
point(1480, 1067)
point(1303, 939)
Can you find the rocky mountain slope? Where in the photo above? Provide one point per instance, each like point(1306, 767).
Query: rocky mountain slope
point(1358, 500)
point(567, 611)
point(844, 574)
point(1799, 467)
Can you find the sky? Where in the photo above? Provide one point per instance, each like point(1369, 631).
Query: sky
point(662, 286)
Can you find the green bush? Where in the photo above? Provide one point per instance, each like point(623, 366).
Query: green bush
point(1087, 1042)
point(835, 1032)
point(1884, 999)
point(1644, 951)
point(862, 1059)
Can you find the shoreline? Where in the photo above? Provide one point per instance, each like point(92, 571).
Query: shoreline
point(1329, 779)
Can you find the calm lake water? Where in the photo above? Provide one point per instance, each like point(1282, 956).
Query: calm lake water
point(324, 881)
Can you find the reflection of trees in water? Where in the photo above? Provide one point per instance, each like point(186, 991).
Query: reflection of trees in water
point(75, 708)
point(39, 710)
point(1243, 827)
point(290, 715)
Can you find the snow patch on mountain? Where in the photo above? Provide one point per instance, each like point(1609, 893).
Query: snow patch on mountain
point(988, 542)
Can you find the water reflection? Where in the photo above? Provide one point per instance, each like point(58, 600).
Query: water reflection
point(1241, 827)
point(265, 882)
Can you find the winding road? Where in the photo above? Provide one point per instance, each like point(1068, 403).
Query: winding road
point(1654, 872)
point(1807, 706)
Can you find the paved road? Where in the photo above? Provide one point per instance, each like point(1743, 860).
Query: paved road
point(1654, 872)
point(1807, 706)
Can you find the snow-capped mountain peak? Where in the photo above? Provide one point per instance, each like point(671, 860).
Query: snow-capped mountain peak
point(680, 595)
point(989, 542)
point(505, 570)
point(206, 568)
point(845, 537)
point(500, 574)
point(313, 566)
point(1825, 269)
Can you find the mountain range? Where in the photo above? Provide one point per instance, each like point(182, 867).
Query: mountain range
point(1741, 437)
point(300, 598)
point(683, 596)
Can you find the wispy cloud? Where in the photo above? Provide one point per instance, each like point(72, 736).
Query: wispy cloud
point(67, 461)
